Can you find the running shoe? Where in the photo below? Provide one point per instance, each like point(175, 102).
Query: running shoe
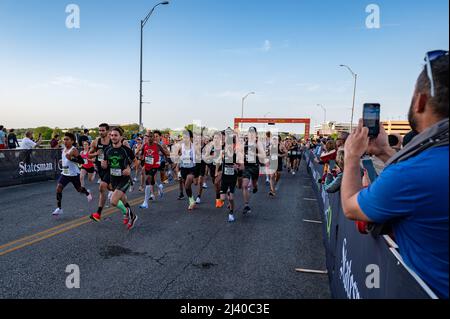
point(152, 197)
point(271, 194)
point(247, 210)
point(141, 189)
point(98, 181)
point(126, 219)
point(135, 179)
point(231, 218)
point(181, 197)
point(144, 206)
point(132, 222)
point(219, 203)
point(204, 186)
point(131, 189)
point(57, 212)
point(267, 182)
point(198, 200)
point(96, 217)
point(255, 190)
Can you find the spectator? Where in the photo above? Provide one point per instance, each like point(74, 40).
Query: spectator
point(334, 177)
point(409, 137)
point(342, 137)
point(83, 138)
point(2, 138)
point(55, 142)
point(416, 207)
point(28, 143)
point(395, 141)
point(86, 133)
point(12, 140)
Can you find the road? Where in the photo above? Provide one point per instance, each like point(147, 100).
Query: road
point(171, 254)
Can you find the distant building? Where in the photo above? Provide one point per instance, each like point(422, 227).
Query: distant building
point(397, 127)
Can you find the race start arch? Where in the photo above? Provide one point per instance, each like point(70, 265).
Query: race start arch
point(307, 123)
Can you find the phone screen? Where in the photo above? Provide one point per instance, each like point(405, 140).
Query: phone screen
point(371, 116)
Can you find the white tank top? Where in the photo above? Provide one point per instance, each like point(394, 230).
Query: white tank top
point(187, 159)
point(69, 168)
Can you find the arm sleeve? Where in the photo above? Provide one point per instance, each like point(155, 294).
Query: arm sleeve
point(389, 197)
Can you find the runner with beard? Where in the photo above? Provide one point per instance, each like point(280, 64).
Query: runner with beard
point(117, 162)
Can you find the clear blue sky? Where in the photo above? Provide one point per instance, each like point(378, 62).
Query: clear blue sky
point(202, 56)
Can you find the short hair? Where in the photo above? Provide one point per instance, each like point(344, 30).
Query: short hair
point(28, 133)
point(11, 130)
point(71, 136)
point(118, 129)
point(1, 127)
point(104, 125)
point(86, 130)
point(157, 132)
point(440, 101)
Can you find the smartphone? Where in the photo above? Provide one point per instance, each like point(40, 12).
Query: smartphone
point(371, 117)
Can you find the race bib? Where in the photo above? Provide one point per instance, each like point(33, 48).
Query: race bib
point(274, 157)
point(186, 160)
point(65, 170)
point(86, 161)
point(117, 172)
point(294, 153)
point(229, 171)
point(149, 160)
point(101, 156)
point(11, 141)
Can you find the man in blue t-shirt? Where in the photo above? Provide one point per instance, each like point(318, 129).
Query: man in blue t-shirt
point(412, 192)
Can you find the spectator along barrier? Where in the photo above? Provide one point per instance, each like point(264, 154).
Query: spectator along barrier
point(28, 166)
point(361, 266)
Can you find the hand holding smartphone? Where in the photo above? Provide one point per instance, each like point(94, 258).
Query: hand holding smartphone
point(371, 118)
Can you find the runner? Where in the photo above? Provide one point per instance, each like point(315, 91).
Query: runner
point(200, 169)
point(152, 158)
point(213, 160)
point(278, 153)
point(162, 169)
point(229, 171)
point(88, 165)
point(98, 149)
point(118, 163)
point(70, 172)
point(186, 154)
point(254, 154)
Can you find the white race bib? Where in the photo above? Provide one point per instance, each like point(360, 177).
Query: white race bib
point(65, 170)
point(101, 156)
point(117, 172)
point(294, 153)
point(229, 171)
point(149, 160)
point(274, 157)
point(86, 161)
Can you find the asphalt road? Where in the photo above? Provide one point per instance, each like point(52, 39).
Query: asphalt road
point(171, 254)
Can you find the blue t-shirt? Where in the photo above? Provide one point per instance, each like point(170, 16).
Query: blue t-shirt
point(414, 196)
point(2, 137)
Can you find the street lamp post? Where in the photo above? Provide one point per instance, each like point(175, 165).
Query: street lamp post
point(143, 23)
point(325, 111)
point(243, 101)
point(355, 77)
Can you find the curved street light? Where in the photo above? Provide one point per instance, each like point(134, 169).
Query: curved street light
point(143, 23)
point(355, 76)
point(243, 100)
point(325, 111)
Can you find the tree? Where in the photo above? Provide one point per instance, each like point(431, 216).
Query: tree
point(45, 131)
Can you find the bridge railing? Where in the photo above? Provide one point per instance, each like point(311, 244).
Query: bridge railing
point(361, 266)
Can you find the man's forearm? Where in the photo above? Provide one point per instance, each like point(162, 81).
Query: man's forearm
point(351, 182)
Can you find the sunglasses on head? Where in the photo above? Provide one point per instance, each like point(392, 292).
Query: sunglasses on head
point(430, 57)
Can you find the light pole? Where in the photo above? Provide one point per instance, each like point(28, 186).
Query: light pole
point(355, 76)
point(243, 101)
point(143, 23)
point(325, 111)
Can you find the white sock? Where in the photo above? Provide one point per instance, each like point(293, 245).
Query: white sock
point(147, 194)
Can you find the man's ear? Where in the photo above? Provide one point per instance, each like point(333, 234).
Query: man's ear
point(421, 103)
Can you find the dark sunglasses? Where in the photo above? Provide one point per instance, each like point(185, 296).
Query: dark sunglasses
point(429, 58)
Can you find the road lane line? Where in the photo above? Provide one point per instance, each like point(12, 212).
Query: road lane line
point(51, 232)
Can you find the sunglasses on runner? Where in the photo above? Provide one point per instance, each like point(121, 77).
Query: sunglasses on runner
point(429, 58)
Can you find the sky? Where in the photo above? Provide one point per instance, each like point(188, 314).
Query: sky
point(202, 56)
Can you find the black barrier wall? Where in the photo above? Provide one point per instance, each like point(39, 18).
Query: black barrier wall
point(361, 266)
point(28, 166)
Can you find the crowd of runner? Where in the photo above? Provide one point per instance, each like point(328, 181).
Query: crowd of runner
point(148, 162)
